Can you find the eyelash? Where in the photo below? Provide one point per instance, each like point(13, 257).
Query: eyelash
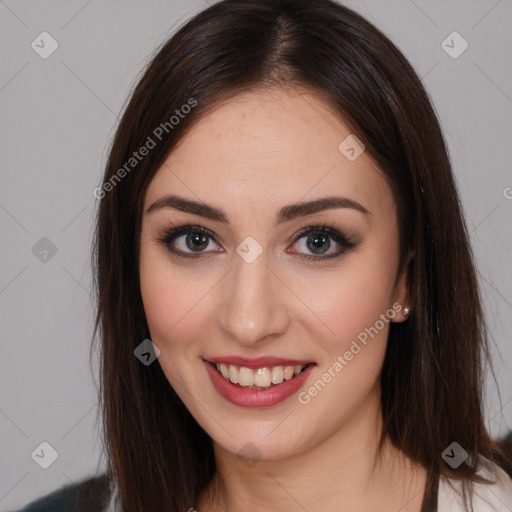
point(169, 234)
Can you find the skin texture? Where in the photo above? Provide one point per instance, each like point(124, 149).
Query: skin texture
point(251, 156)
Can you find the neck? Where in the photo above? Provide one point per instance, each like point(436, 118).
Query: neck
point(343, 472)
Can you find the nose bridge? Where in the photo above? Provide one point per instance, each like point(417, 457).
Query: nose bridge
point(253, 306)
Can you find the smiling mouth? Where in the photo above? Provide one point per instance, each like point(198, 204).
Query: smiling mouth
point(260, 378)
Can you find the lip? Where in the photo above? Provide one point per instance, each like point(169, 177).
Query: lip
point(259, 362)
point(245, 397)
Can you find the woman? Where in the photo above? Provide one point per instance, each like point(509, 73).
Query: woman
point(287, 299)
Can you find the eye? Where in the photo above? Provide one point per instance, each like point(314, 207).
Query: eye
point(323, 242)
point(317, 240)
point(184, 241)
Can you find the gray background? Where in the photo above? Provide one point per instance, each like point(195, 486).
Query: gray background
point(57, 117)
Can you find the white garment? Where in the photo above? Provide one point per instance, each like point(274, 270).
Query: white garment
point(496, 497)
point(113, 506)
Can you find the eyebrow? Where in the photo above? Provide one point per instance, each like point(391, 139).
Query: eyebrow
point(285, 214)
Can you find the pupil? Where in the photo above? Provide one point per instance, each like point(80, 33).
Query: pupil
point(198, 241)
point(317, 242)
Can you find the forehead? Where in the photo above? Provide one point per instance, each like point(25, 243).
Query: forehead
point(269, 147)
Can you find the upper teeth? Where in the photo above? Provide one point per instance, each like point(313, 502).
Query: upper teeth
point(262, 377)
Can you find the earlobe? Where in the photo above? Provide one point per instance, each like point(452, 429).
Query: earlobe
point(402, 292)
point(403, 314)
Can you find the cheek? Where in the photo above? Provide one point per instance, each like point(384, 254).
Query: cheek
point(178, 310)
point(166, 307)
point(351, 299)
point(354, 306)
point(169, 298)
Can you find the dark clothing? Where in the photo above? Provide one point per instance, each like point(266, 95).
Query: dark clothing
point(91, 495)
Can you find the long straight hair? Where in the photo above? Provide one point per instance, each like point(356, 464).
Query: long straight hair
point(432, 376)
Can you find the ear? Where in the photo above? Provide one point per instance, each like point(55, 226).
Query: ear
point(402, 294)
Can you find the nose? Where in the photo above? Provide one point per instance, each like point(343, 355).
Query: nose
point(254, 303)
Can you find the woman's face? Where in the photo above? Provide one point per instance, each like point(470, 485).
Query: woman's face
point(262, 288)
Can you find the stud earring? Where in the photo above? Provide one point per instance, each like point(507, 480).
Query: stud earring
point(407, 311)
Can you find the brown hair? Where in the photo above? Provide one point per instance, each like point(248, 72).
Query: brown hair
point(432, 375)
